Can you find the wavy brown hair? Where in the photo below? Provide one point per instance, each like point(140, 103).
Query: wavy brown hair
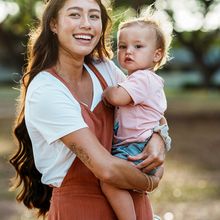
point(42, 53)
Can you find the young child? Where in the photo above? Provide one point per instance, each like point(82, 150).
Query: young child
point(140, 100)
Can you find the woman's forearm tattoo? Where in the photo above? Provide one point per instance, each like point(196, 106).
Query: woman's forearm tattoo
point(81, 154)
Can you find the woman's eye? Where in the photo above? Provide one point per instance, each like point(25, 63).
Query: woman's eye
point(94, 17)
point(75, 15)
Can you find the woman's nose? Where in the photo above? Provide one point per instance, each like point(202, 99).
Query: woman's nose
point(85, 22)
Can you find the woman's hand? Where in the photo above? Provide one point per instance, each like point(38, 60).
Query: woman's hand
point(153, 180)
point(153, 154)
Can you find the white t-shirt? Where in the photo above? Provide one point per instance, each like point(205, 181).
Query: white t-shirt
point(52, 112)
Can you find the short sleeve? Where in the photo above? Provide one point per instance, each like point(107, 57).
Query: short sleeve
point(111, 73)
point(53, 112)
point(138, 87)
point(119, 75)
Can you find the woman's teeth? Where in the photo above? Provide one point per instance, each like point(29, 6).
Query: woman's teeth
point(83, 37)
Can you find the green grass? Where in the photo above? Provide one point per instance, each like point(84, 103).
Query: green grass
point(8, 93)
point(186, 186)
point(200, 102)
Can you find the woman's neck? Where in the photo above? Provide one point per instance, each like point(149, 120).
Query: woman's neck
point(76, 77)
point(70, 68)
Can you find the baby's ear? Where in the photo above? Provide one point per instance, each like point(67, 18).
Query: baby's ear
point(158, 55)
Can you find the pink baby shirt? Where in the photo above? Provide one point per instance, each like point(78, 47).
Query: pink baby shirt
point(134, 122)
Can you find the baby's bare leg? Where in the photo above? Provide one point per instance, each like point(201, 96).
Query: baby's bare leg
point(121, 202)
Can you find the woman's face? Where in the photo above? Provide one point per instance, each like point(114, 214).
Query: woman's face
point(78, 27)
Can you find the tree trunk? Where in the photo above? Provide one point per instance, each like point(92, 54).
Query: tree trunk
point(12, 49)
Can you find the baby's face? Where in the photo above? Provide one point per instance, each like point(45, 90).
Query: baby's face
point(137, 48)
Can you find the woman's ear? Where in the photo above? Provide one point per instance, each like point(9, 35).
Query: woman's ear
point(53, 26)
point(158, 55)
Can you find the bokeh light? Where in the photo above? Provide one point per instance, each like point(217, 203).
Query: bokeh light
point(7, 8)
point(168, 216)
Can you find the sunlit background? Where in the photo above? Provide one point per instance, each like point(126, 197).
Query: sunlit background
point(190, 188)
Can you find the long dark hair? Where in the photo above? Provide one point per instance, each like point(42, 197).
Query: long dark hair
point(42, 53)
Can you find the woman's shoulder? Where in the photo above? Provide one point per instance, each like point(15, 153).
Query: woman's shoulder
point(110, 70)
point(41, 79)
point(105, 63)
point(45, 83)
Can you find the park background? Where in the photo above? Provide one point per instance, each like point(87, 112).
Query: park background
point(190, 189)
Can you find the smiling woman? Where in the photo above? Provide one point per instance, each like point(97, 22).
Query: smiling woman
point(64, 130)
point(79, 29)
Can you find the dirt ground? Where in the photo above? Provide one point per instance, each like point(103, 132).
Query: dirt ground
point(190, 189)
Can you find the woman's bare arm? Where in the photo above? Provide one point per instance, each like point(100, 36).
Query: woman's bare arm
point(106, 167)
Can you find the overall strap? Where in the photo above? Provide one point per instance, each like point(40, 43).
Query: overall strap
point(98, 75)
point(94, 70)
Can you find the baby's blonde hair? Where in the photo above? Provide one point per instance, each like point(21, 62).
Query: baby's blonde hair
point(162, 26)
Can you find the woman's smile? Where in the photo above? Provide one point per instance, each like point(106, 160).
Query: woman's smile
point(78, 27)
point(83, 38)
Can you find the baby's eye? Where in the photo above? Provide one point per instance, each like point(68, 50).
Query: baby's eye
point(121, 47)
point(138, 46)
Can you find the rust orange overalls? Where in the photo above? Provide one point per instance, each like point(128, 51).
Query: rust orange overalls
point(80, 197)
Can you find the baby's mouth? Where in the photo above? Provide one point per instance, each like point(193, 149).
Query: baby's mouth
point(128, 59)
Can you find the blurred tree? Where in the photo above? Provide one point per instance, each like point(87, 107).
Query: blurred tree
point(133, 4)
point(204, 45)
point(14, 32)
point(201, 43)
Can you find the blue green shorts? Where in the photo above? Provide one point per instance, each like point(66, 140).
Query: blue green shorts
point(131, 149)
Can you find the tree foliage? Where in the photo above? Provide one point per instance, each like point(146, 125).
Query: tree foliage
point(204, 46)
point(14, 33)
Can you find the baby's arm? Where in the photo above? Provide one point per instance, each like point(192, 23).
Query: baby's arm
point(116, 96)
point(163, 121)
